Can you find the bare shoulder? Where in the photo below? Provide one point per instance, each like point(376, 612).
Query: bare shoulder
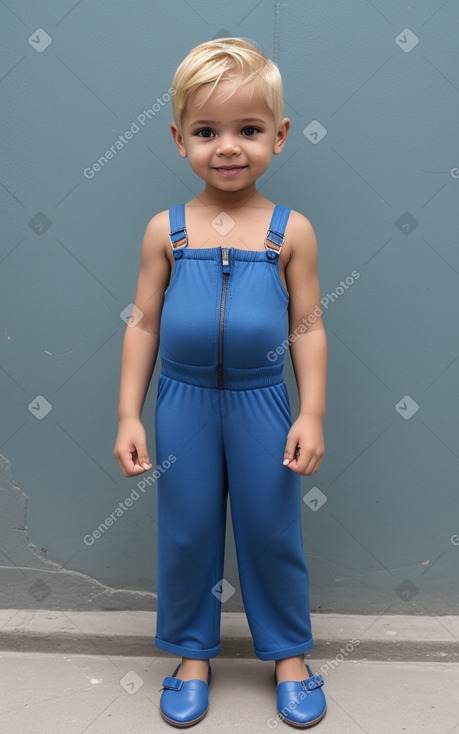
point(300, 242)
point(156, 237)
point(300, 232)
point(157, 229)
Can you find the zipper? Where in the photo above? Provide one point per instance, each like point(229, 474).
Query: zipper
point(221, 328)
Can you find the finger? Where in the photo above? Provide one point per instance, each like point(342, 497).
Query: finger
point(291, 450)
point(139, 466)
point(303, 463)
point(127, 459)
point(141, 457)
point(133, 469)
point(123, 459)
point(312, 466)
point(296, 466)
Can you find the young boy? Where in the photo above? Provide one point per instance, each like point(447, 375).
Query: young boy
point(223, 282)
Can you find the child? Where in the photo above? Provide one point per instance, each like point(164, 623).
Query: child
point(219, 292)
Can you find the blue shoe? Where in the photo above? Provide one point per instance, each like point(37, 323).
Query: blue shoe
point(301, 703)
point(184, 703)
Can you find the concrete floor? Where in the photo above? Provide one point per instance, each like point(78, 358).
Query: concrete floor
point(96, 673)
point(45, 693)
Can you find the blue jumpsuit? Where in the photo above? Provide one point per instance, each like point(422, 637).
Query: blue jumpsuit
point(222, 409)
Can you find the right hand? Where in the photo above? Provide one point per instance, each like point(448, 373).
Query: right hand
point(131, 447)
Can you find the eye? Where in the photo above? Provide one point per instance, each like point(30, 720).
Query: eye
point(205, 132)
point(250, 131)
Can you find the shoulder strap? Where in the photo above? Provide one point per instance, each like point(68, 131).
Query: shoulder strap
point(275, 237)
point(177, 236)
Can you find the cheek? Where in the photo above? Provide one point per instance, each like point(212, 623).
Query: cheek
point(199, 155)
point(193, 161)
point(261, 156)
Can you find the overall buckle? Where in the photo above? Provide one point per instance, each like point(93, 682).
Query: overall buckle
point(275, 241)
point(178, 242)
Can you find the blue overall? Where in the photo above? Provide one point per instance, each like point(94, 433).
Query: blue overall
point(222, 410)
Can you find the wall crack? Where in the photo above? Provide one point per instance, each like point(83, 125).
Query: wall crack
point(24, 583)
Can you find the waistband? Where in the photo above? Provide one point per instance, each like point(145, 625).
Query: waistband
point(233, 378)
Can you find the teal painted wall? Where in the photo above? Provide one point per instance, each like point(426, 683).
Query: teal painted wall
point(372, 92)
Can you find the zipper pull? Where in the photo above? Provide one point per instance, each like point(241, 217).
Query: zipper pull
point(225, 259)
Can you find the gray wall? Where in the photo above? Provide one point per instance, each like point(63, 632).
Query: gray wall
point(381, 189)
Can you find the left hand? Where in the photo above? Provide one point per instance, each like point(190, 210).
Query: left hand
point(306, 438)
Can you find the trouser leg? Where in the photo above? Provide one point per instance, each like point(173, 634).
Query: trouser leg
point(192, 497)
point(265, 499)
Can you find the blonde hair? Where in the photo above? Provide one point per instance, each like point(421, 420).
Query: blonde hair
point(233, 57)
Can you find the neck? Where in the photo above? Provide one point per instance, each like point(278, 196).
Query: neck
point(227, 200)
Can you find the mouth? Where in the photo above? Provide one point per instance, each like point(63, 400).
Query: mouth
point(229, 170)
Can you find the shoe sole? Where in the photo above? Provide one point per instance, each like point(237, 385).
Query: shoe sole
point(302, 726)
point(183, 724)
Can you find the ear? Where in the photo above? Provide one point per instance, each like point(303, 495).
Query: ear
point(178, 139)
point(281, 136)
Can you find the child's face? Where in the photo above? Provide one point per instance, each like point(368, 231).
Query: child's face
point(229, 143)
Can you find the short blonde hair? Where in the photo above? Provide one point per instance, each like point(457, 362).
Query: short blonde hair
point(234, 57)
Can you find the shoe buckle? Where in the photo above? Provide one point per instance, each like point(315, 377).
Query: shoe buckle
point(172, 684)
point(315, 681)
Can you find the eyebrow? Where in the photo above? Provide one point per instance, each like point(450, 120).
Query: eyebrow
point(213, 122)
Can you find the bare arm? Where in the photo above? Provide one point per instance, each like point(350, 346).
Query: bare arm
point(308, 349)
point(140, 348)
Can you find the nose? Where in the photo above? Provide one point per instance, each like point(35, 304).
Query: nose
point(228, 146)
